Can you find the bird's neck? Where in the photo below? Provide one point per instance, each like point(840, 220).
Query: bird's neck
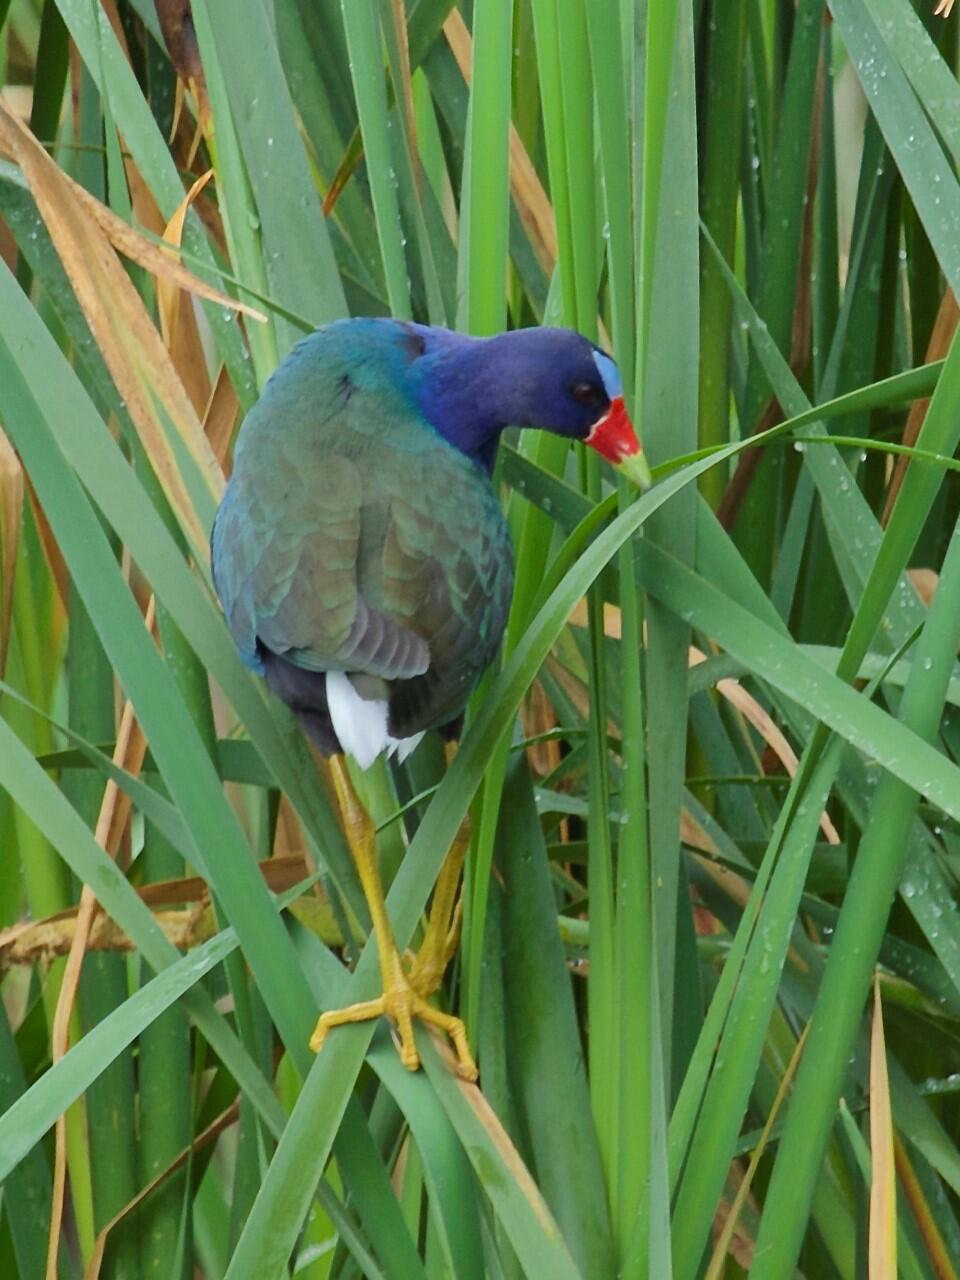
point(467, 389)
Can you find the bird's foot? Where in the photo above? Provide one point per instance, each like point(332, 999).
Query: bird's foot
point(425, 970)
point(402, 1002)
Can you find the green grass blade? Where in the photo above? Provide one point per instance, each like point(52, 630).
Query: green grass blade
point(111, 1100)
point(362, 27)
point(90, 450)
point(27, 1188)
point(286, 202)
point(484, 198)
point(860, 928)
point(545, 1051)
point(920, 160)
point(454, 1207)
point(668, 415)
point(23, 1124)
point(188, 770)
point(724, 103)
point(516, 1201)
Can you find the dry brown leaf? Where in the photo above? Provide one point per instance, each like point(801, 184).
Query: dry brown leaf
point(406, 95)
point(220, 417)
point(924, 583)
point(576, 691)
point(55, 561)
point(944, 327)
point(180, 37)
point(740, 1247)
point(733, 885)
point(19, 98)
point(11, 515)
point(935, 1247)
point(33, 941)
point(539, 717)
point(212, 1131)
point(279, 874)
point(882, 1248)
point(167, 291)
point(146, 211)
point(694, 836)
point(131, 346)
point(726, 1242)
point(153, 258)
point(44, 940)
point(8, 247)
point(579, 617)
point(136, 246)
point(738, 890)
point(178, 320)
point(752, 711)
point(289, 840)
point(133, 744)
point(116, 23)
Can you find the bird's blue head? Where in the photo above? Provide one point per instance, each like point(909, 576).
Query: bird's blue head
point(470, 389)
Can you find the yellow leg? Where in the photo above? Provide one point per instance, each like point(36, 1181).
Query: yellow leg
point(443, 927)
point(446, 912)
point(399, 1000)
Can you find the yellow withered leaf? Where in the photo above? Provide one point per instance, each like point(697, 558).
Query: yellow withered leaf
point(153, 257)
point(130, 344)
point(178, 322)
point(11, 512)
point(882, 1246)
point(220, 418)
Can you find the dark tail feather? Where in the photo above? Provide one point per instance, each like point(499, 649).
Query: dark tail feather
point(305, 693)
point(452, 730)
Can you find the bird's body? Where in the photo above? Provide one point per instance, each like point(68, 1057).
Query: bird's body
point(360, 533)
point(364, 564)
point(353, 538)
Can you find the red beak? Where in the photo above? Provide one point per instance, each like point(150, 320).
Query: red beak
point(615, 439)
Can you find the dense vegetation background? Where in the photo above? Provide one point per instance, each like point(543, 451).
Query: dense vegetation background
point(722, 739)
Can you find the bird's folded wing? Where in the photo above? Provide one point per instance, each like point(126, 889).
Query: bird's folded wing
point(290, 582)
point(460, 569)
point(372, 547)
point(375, 645)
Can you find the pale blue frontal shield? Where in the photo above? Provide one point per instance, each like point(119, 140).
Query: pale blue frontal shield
point(610, 375)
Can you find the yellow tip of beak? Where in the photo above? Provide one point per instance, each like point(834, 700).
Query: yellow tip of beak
point(636, 468)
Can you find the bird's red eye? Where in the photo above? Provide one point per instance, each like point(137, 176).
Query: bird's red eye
point(586, 393)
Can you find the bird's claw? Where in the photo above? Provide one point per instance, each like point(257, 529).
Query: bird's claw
point(402, 1002)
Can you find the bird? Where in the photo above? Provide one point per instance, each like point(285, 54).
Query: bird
point(364, 566)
